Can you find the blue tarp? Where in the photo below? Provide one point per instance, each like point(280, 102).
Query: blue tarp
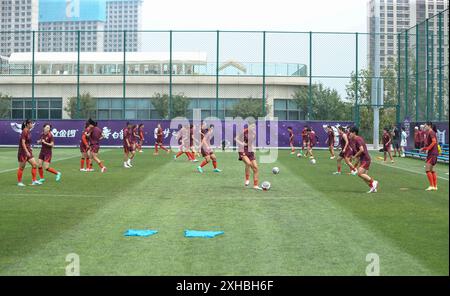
point(199, 233)
point(144, 233)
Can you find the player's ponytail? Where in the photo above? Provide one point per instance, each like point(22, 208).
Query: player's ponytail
point(25, 123)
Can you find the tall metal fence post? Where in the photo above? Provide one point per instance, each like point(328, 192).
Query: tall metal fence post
point(78, 74)
point(417, 72)
point(356, 83)
point(217, 73)
point(170, 75)
point(264, 75)
point(309, 112)
point(33, 100)
point(427, 63)
point(124, 77)
point(440, 50)
point(399, 101)
point(406, 74)
point(432, 78)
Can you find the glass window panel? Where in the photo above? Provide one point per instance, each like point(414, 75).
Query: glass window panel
point(281, 115)
point(43, 114)
point(116, 103)
point(280, 104)
point(293, 115)
point(192, 104)
point(28, 113)
point(103, 114)
point(116, 114)
point(228, 113)
point(55, 114)
point(57, 104)
point(229, 103)
point(130, 103)
point(28, 104)
point(143, 114)
point(130, 114)
point(103, 103)
point(292, 105)
point(43, 104)
point(143, 104)
point(17, 104)
point(17, 114)
point(206, 113)
point(205, 104)
point(154, 114)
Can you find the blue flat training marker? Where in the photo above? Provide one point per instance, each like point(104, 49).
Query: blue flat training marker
point(200, 233)
point(144, 233)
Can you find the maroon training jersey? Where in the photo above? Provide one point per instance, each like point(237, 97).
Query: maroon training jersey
point(386, 138)
point(126, 135)
point(312, 137)
point(159, 135)
point(341, 141)
point(26, 135)
point(96, 134)
point(359, 142)
point(330, 138)
point(47, 138)
point(428, 140)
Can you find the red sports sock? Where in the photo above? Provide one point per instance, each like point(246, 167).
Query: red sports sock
point(371, 183)
point(41, 173)
point(100, 164)
point(156, 148)
point(88, 163)
point(33, 174)
point(215, 164)
point(434, 178)
point(247, 176)
point(179, 154)
point(82, 163)
point(190, 155)
point(430, 178)
point(163, 148)
point(52, 170)
point(339, 168)
point(19, 175)
point(255, 182)
point(203, 163)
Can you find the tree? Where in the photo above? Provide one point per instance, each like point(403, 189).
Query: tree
point(5, 106)
point(248, 107)
point(388, 114)
point(180, 104)
point(88, 106)
point(325, 102)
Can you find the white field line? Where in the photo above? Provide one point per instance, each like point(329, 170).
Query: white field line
point(408, 170)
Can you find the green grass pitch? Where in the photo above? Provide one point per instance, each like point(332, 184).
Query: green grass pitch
point(310, 223)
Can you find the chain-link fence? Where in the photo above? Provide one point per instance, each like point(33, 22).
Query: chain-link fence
point(290, 75)
point(423, 75)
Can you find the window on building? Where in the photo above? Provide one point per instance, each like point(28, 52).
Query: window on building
point(286, 109)
point(46, 108)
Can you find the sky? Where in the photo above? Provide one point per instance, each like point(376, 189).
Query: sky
point(332, 55)
point(289, 15)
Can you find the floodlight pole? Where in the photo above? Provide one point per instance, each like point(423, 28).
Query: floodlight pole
point(376, 80)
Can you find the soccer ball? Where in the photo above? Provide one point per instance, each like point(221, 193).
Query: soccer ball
point(299, 155)
point(275, 170)
point(265, 186)
point(313, 160)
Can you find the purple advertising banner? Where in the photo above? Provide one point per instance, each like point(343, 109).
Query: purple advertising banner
point(68, 132)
